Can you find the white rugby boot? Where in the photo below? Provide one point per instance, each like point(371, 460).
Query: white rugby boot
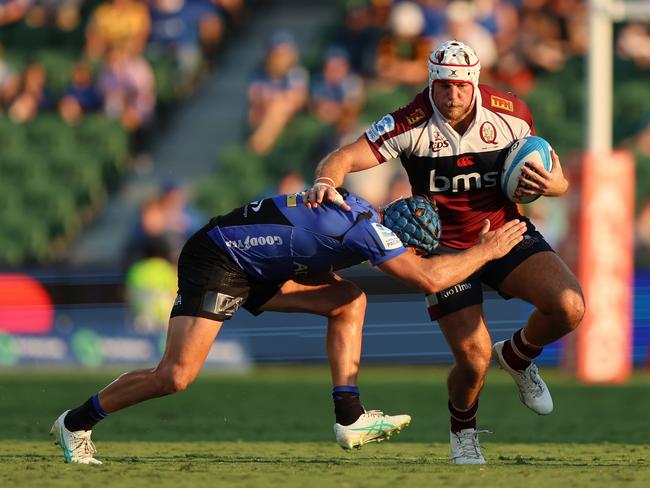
point(533, 392)
point(465, 448)
point(77, 446)
point(372, 426)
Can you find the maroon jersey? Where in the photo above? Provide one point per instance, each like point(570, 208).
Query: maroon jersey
point(460, 172)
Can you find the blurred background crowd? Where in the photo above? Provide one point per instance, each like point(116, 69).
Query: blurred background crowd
point(87, 86)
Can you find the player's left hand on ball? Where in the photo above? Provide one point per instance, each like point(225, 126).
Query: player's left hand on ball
point(537, 181)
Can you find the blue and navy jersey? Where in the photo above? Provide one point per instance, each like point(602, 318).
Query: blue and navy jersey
point(280, 238)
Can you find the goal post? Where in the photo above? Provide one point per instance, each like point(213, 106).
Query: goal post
point(603, 345)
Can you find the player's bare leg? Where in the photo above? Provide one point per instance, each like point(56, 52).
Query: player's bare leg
point(546, 282)
point(344, 305)
point(188, 342)
point(470, 343)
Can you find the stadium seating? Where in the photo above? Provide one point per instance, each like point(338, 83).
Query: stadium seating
point(56, 176)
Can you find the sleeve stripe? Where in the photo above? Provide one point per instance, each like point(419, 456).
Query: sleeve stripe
point(380, 157)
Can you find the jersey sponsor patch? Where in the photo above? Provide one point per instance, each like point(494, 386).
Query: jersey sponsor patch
point(502, 103)
point(378, 129)
point(415, 117)
point(387, 237)
point(249, 242)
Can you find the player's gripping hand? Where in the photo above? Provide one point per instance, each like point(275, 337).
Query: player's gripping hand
point(324, 191)
point(538, 181)
point(499, 242)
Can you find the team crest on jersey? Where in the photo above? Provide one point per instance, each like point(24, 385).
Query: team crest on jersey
point(415, 117)
point(378, 129)
point(502, 103)
point(488, 133)
point(387, 237)
point(439, 142)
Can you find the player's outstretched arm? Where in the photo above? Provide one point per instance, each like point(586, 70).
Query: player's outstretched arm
point(439, 272)
point(331, 172)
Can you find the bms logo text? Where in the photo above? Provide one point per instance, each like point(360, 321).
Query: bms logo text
point(460, 183)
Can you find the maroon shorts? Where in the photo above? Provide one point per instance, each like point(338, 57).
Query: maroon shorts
point(470, 291)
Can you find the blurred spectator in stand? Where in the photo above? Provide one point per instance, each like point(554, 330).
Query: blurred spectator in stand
point(179, 30)
point(9, 81)
point(435, 17)
point(213, 25)
point(363, 27)
point(510, 70)
point(167, 218)
point(634, 43)
point(573, 19)
point(277, 93)
point(9, 89)
point(402, 55)
point(34, 97)
point(337, 93)
point(234, 10)
point(291, 182)
point(119, 24)
point(127, 85)
point(80, 96)
point(540, 40)
point(151, 288)
point(63, 15)
point(336, 99)
point(462, 25)
point(13, 10)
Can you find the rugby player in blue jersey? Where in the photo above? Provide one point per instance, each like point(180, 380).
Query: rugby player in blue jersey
point(279, 255)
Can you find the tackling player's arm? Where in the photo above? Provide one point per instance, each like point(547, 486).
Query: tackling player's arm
point(331, 171)
point(437, 273)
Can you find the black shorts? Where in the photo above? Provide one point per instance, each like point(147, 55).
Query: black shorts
point(212, 285)
point(470, 291)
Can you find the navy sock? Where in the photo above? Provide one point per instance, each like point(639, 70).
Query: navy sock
point(86, 416)
point(347, 405)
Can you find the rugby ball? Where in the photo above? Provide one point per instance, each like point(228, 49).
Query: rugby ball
point(531, 149)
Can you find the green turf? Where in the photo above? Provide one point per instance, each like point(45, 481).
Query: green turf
point(273, 426)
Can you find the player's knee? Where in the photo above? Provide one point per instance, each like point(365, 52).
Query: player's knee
point(173, 380)
point(350, 300)
point(571, 308)
point(475, 363)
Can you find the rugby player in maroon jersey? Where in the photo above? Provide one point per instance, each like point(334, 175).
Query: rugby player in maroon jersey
point(451, 140)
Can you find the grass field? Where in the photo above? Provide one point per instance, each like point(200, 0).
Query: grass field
point(273, 427)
